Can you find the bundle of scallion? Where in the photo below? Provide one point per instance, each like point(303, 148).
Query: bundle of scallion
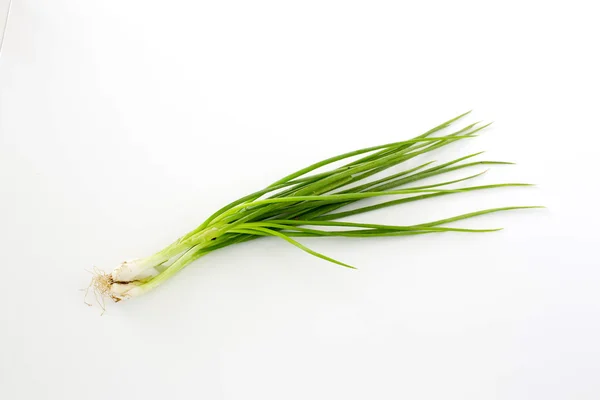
point(302, 205)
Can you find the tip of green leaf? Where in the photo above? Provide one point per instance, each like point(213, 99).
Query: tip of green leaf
point(459, 117)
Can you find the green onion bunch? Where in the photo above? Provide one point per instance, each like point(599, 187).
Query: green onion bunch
point(309, 204)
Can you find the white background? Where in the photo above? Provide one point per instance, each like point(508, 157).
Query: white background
point(123, 124)
point(4, 6)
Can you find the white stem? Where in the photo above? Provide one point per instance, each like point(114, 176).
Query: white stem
point(133, 270)
point(122, 291)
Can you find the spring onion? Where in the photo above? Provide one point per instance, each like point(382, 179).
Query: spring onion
point(307, 204)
